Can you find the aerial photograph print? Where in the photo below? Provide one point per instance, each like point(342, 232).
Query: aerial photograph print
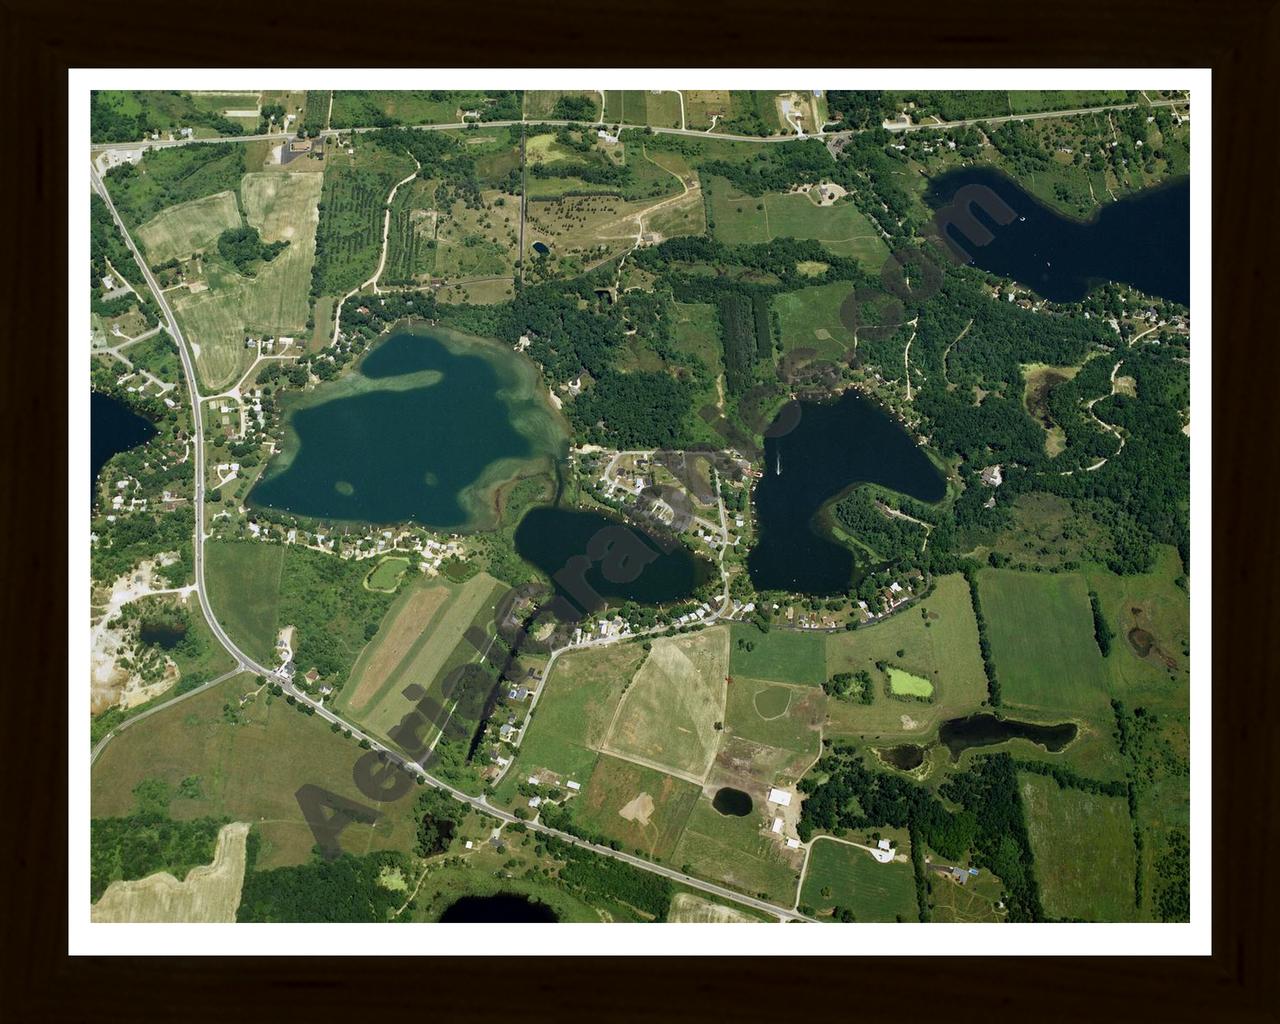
point(636, 506)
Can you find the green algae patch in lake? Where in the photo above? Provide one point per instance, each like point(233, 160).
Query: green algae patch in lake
point(425, 429)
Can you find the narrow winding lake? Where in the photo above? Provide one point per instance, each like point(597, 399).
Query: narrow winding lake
point(113, 428)
point(423, 430)
point(832, 446)
point(555, 539)
point(985, 730)
point(1143, 240)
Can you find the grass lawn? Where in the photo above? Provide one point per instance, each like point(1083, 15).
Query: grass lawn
point(1083, 849)
point(643, 809)
point(944, 652)
point(810, 319)
point(668, 713)
point(243, 578)
point(386, 575)
point(850, 877)
point(249, 764)
point(1042, 641)
point(179, 231)
point(783, 655)
point(575, 710)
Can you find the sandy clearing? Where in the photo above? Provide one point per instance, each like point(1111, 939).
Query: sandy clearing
point(640, 809)
point(210, 894)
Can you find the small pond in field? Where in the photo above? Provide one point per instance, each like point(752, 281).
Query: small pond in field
point(905, 757)
point(732, 802)
point(161, 634)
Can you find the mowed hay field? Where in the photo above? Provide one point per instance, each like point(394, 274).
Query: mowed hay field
point(1083, 849)
point(439, 648)
point(776, 714)
point(250, 763)
point(575, 710)
point(210, 894)
point(811, 319)
point(858, 882)
point(841, 227)
point(667, 717)
point(784, 655)
point(243, 578)
point(738, 851)
point(188, 228)
point(1041, 631)
point(275, 302)
point(945, 652)
point(640, 807)
point(405, 624)
point(687, 908)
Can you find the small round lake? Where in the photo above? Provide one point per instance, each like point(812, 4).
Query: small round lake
point(905, 757)
point(832, 446)
point(424, 430)
point(113, 428)
point(161, 634)
point(541, 248)
point(732, 802)
point(594, 559)
point(504, 908)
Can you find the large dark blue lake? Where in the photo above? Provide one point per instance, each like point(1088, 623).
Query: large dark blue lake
point(595, 559)
point(113, 428)
point(832, 446)
point(1143, 240)
point(425, 429)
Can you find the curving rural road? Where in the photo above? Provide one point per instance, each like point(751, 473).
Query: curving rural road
point(246, 664)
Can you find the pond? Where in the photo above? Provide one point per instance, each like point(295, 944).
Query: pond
point(832, 446)
point(161, 634)
point(905, 757)
point(732, 802)
point(424, 430)
point(504, 908)
point(556, 539)
point(113, 428)
point(984, 730)
point(541, 248)
point(1143, 240)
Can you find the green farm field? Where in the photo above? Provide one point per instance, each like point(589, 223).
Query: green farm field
point(179, 231)
point(249, 763)
point(575, 710)
point(243, 578)
point(640, 807)
point(841, 227)
point(776, 714)
point(783, 655)
point(438, 649)
point(810, 319)
point(858, 882)
point(283, 207)
point(640, 106)
point(541, 103)
point(1083, 849)
point(667, 716)
point(1042, 642)
point(738, 851)
point(944, 652)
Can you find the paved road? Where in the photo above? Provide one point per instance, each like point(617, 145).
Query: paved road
point(694, 133)
point(247, 664)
